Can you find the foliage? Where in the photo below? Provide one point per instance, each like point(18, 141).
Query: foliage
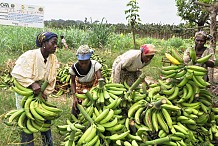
point(133, 17)
point(191, 12)
point(116, 45)
point(99, 34)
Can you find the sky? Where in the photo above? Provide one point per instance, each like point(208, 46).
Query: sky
point(151, 11)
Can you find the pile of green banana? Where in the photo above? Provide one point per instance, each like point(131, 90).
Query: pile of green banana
point(105, 70)
point(176, 111)
point(35, 111)
point(6, 80)
point(63, 81)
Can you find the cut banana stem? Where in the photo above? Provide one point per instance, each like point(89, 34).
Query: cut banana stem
point(158, 104)
point(101, 83)
point(137, 82)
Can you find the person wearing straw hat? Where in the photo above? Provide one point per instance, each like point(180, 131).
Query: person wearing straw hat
point(84, 73)
point(127, 67)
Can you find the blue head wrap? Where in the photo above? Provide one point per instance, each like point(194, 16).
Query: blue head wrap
point(84, 52)
point(44, 36)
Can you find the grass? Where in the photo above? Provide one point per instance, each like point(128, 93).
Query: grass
point(118, 44)
point(10, 135)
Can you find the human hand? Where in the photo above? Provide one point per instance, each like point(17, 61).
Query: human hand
point(36, 88)
point(75, 102)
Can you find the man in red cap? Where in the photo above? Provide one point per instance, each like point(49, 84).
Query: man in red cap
point(126, 67)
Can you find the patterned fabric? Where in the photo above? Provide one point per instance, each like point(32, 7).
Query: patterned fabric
point(129, 61)
point(44, 36)
point(87, 85)
point(91, 74)
point(148, 49)
point(30, 67)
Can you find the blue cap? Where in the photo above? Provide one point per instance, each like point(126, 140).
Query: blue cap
point(84, 56)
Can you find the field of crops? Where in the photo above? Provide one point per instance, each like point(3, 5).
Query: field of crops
point(129, 116)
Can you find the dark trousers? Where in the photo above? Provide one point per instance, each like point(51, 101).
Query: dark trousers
point(27, 139)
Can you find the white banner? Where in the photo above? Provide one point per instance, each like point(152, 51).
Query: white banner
point(21, 15)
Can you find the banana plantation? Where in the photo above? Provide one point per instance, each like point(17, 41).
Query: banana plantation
point(177, 108)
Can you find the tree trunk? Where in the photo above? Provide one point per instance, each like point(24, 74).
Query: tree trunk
point(133, 35)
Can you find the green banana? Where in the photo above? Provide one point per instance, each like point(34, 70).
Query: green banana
point(167, 117)
point(175, 94)
point(193, 55)
point(102, 115)
point(204, 59)
point(147, 119)
point(92, 134)
point(21, 92)
point(21, 120)
point(115, 128)
point(164, 84)
point(172, 67)
point(134, 137)
point(154, 120)
point(168, 92)
point(183, 82)
point(119, 136)
point(110, 123)
point(170, 107)
point(180, 129)
point(136, 106)
point(27, 108)
point(162, 122)
point(168, 72)
point(15, 115)
point(21, 88)
point(52, 109)
point(85, 135)
point(34, 113)
point(108, 117)
point(39, 127)
point(138, 114)
point(202, 81)
point(176, 55)
point(181, 73)
point(196, 68)
point(30, 126)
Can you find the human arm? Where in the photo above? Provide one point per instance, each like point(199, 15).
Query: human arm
point(98, 74)
point(73, 89)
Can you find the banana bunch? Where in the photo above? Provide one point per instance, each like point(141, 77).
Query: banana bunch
point(195, 60)
point(32, 117)
point(99, 121)
point(105, 70)
point(63, 81)
point(108, 95)
point(6, 80)
point(34, 113)
point(176, 110)
point(172, 59)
